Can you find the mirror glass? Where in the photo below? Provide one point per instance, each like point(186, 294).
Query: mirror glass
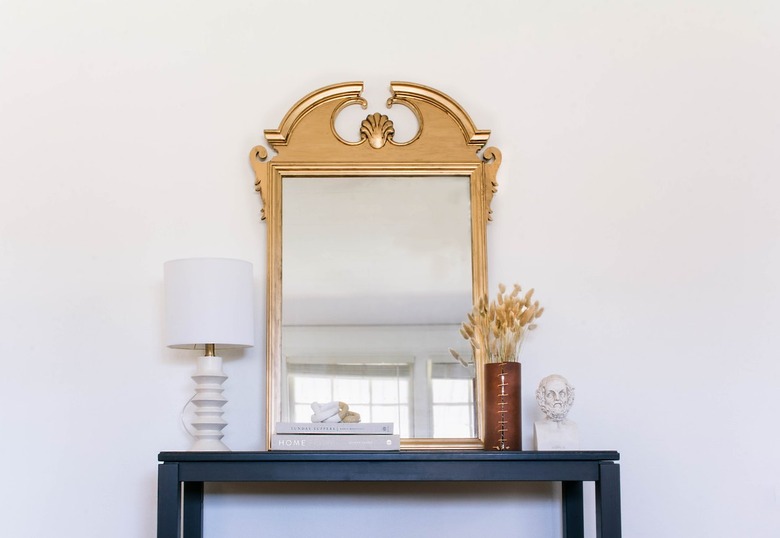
point(376, 279)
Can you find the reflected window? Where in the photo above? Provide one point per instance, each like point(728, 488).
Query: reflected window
point(452, 399)
point(379, 392)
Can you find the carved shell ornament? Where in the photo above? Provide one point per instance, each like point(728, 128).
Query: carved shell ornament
point(377, 129)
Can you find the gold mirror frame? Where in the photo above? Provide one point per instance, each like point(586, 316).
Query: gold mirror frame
point(307, 145)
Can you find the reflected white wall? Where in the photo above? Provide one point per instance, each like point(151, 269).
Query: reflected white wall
point(376, 250)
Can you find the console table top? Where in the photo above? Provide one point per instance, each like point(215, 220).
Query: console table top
point(407, 456)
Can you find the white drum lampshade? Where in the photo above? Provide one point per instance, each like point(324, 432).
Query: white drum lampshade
point(209, 304)
point(209, 301)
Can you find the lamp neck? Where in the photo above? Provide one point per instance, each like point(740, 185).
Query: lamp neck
point(211, 350)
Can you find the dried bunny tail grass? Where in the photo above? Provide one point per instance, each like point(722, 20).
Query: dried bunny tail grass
point(527, 316)
point(497, 328)
point(539, 312)
point(458, 357)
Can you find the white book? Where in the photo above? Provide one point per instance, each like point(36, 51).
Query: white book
point(335, 442)
point(319, 428)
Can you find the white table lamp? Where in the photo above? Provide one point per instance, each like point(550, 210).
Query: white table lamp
point(209, 304)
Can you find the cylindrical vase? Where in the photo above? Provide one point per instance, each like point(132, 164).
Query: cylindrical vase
point(503, 420)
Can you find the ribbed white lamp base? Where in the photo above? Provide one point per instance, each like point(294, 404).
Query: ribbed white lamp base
point(208, 423)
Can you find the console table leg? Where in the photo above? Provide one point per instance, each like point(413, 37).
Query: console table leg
point(193, 510)
point(168, 500)
point(608, 501)
point(573, 522)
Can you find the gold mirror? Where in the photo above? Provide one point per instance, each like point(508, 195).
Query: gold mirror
point(376, 252)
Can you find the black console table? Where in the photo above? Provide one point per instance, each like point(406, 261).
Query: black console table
point(181, 476)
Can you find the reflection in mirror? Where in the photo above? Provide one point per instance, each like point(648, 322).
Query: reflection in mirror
point(377, 278)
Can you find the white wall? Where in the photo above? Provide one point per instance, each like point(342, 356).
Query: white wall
point(638, 194)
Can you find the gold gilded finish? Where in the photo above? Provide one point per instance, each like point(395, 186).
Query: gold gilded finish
point(408, 93)
point(377, 129)
point(257, 159)
point(447, 143)
point(346, 93)
point(492, 159)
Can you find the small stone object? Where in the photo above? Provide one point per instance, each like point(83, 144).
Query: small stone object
point(333, 412)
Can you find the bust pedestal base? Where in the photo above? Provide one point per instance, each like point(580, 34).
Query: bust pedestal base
point(551, 435)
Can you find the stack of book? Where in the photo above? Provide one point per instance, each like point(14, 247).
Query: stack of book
point(319, 436)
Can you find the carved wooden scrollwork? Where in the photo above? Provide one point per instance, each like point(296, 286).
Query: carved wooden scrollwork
point(446, 135)
point(492, 158)
point(257, 159)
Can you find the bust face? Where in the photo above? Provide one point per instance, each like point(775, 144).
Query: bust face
point(555, 397)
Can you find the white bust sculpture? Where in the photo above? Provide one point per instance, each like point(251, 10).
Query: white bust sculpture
point(555, 397)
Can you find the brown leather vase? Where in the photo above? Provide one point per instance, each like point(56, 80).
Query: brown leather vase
point(503, 421)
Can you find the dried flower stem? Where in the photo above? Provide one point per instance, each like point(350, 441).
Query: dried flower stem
point(498, 327)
